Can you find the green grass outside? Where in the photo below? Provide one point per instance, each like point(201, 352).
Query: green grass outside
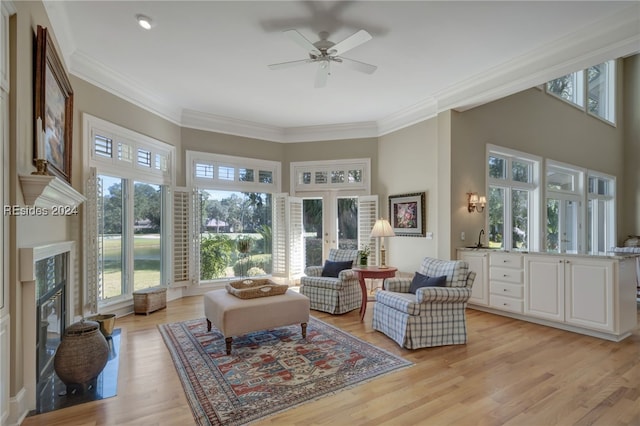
point(146, 264)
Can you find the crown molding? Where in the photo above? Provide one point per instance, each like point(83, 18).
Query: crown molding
point(230, 126)
point(85, 67)
point(421, 111)
point(365, 129)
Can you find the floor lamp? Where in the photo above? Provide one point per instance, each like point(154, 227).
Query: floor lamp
point(382, 228)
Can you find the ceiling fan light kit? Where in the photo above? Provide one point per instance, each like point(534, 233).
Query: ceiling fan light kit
point(325, 51)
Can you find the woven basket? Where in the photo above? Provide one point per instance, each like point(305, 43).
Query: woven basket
point(252, 288)
point(82, 353)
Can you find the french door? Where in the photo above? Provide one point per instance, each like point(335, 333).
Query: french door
point(332, 220)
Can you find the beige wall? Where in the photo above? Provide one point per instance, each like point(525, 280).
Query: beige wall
point(102, 104)
point(408, 164)
point(533, 122)
point(219, 143)
point(331, 150)
point(631, 102)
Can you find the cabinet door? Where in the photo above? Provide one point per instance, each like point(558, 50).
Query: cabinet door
point(478, 263)
point(589, 293)
point(544, 287)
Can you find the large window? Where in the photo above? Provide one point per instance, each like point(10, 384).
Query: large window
point(596, 84)
point(601, 232)
point(564, 196)
point(234, 214)
point(235, 234)
point(578, 206)
point(513, 180)
point(130, 209)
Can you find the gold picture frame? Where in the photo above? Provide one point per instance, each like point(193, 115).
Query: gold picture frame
point(54, 107)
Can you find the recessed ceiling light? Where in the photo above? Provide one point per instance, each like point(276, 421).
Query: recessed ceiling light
point(144, 21)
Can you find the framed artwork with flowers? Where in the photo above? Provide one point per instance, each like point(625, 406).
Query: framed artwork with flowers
point(407, 214)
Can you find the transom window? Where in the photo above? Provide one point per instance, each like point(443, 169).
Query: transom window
point(235, 173)
point(340, 174)
point(596, 85)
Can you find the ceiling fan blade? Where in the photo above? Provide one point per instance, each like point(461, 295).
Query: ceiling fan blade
point(289, 64)
point(322, 74)
point(359, 66)
point(350, 42)
point(302, 41)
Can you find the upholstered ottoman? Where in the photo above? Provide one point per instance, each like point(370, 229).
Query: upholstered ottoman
point(234, 316)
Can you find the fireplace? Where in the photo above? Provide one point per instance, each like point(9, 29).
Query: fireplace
point(47, 277)
point(51, 278)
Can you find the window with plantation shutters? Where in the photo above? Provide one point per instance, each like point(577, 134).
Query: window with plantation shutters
point(182, 246)
point(288, 242)
point(367, 216)
point(128, 222)
point(93, 250)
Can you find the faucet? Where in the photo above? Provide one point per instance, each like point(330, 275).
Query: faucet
point(480, 238)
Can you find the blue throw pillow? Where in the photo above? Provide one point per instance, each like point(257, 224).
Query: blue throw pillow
point(332, 269)
point(420, 280)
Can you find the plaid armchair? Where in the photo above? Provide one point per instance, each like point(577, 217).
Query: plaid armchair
point(333, 295)
point(434, 316)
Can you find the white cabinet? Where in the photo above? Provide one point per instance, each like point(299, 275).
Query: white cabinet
point(576, 290)
point(544, 287)
point(594, 295)
point(589, 293)
point(505, 281)
point(478, 263)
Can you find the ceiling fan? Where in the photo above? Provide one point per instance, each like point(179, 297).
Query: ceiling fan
point(323, 52)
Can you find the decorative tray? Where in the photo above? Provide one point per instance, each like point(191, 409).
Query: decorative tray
point(252, 288)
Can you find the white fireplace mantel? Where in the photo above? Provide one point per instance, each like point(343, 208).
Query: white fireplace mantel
point(49, 191)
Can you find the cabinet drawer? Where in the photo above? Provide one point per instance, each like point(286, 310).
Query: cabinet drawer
point(508, 260)
point(506, 274)
point(504, 289)
point(505, 303)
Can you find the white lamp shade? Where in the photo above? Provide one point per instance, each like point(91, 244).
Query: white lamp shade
point(382, 228)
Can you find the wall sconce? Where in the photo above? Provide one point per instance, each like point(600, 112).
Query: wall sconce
point(476, 202)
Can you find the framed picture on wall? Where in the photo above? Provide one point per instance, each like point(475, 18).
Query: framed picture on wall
point(53, 109)
point(407, 214)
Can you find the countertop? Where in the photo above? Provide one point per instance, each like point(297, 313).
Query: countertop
point(614, 254)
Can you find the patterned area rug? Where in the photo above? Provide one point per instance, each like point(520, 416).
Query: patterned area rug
point(268, 371)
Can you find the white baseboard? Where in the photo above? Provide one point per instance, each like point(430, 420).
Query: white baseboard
point(18, 409)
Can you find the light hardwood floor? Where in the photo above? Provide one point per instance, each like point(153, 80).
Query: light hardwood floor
point(510, 373)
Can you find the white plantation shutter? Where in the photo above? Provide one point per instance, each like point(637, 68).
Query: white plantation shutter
point(183, 248)
point(367, 215)
point(196, 223)
point(295, 237)
point(288, 242)
point(279, 235)
point(93, 249)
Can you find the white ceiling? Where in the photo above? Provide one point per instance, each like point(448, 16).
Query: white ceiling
point(204, 63)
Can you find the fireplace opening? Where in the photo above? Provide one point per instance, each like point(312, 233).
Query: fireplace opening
point(51, 279)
